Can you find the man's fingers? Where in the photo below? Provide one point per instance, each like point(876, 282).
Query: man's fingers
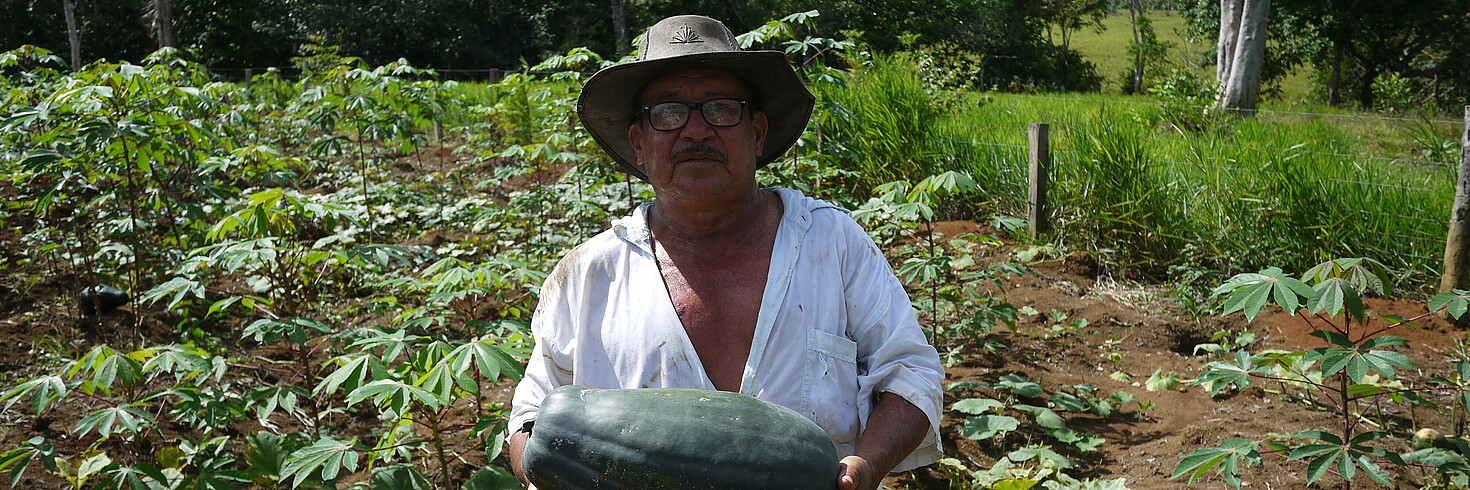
point(853, 474)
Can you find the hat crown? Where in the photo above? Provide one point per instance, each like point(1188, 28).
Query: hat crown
point(683, 35)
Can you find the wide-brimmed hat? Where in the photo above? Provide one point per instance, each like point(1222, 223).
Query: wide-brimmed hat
point(608, 101)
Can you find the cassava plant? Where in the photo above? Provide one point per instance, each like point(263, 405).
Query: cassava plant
point(1353, 378)
point(904, 213)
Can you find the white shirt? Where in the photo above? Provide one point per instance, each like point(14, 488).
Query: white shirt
point(835, 327)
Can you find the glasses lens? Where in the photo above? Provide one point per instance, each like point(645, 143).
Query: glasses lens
point(721, 112)
point(664, 117)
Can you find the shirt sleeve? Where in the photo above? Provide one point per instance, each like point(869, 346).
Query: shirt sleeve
point(549, 366)
point(893, 354)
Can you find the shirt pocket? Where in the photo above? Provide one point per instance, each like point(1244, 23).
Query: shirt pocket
point(829, 392)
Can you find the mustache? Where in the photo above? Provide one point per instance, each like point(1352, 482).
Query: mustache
point(700, 149)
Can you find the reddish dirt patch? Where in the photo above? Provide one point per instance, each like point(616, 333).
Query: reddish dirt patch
point(1138, 329)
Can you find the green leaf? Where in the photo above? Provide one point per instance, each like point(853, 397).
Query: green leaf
point(492, 477)
point(1068, 402)
point(1041, 453)
point(92, 465)
point(976, 406)
point(115, 420)
point(354, 370)
point(20, 458)
point(1372, 469)
point(1320, 465)
point(1250, 292)
point(1089, 443)
point(1334, 338)
point(1361, 273)
point(265, 455)
point(441, 381)
point(1220, 375)
point(178, 288)
point(1455, 302)
point(965, 385)
point(1335, 295)
point(1365, 390)
point(987, 426)
point(107, 366)
point(400, 476)
point(182, 362)
point(488, 357)
point(1045, 417)
point(393, 394)
point(43, 391)
point(1225, 460)
point(1161, 381)
point(327, 455)
point(1356, 363)
point(1019, 386)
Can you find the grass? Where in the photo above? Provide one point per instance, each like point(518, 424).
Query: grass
point(1283, 189)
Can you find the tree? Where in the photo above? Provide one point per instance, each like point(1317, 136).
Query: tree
point(161, 17)
point(620, 29)
point(1007, 36)
point(1135, 17)
point(73, 34)
point(1245, 48)
point(1354, 42)
point(1070, 16)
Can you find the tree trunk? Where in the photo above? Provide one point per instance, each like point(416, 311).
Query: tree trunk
point(163, 23)
point(620, 29)
point(1135, 10)
point(1225, 50)
point(1334, 86)
point(73, 35)
point(1244, 85)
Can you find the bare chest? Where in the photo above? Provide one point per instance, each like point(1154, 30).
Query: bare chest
point(718, 301)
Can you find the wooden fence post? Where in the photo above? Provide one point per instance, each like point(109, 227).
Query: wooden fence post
point(1457, 243)
point(1040, 168)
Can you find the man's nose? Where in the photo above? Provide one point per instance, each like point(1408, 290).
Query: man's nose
point(697, 128)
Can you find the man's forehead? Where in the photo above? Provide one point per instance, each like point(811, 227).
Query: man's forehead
point(676, 82)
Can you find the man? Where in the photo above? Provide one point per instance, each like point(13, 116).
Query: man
point(719, 284)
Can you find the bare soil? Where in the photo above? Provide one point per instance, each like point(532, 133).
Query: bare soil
point(1132, 328)
point(1143, 330)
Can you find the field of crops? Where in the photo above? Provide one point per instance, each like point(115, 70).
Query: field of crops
point(326, 281)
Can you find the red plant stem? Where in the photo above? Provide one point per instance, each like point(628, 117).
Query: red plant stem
point(1399, 324)
point(1329, 323)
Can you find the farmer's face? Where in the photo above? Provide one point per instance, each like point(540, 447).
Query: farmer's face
point(699, 158)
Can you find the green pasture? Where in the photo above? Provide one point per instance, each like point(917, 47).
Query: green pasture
point(1108, 49)
point(1162, 184)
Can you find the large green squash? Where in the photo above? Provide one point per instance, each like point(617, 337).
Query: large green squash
point(675, 439)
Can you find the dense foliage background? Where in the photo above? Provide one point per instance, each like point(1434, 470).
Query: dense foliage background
point(1010, 44)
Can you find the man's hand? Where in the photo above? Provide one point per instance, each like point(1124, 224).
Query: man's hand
point(856, 474)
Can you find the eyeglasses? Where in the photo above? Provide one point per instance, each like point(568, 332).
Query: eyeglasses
point(668, 116)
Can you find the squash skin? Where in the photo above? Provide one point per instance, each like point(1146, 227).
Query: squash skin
point(674, 438)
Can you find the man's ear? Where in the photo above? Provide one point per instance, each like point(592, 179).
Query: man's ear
point(635, 138)
point(760, 125)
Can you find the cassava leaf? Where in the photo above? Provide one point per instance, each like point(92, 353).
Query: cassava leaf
point(327, 457)
point(1225, 460)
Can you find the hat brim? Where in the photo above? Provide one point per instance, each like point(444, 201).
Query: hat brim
point(607, 103)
